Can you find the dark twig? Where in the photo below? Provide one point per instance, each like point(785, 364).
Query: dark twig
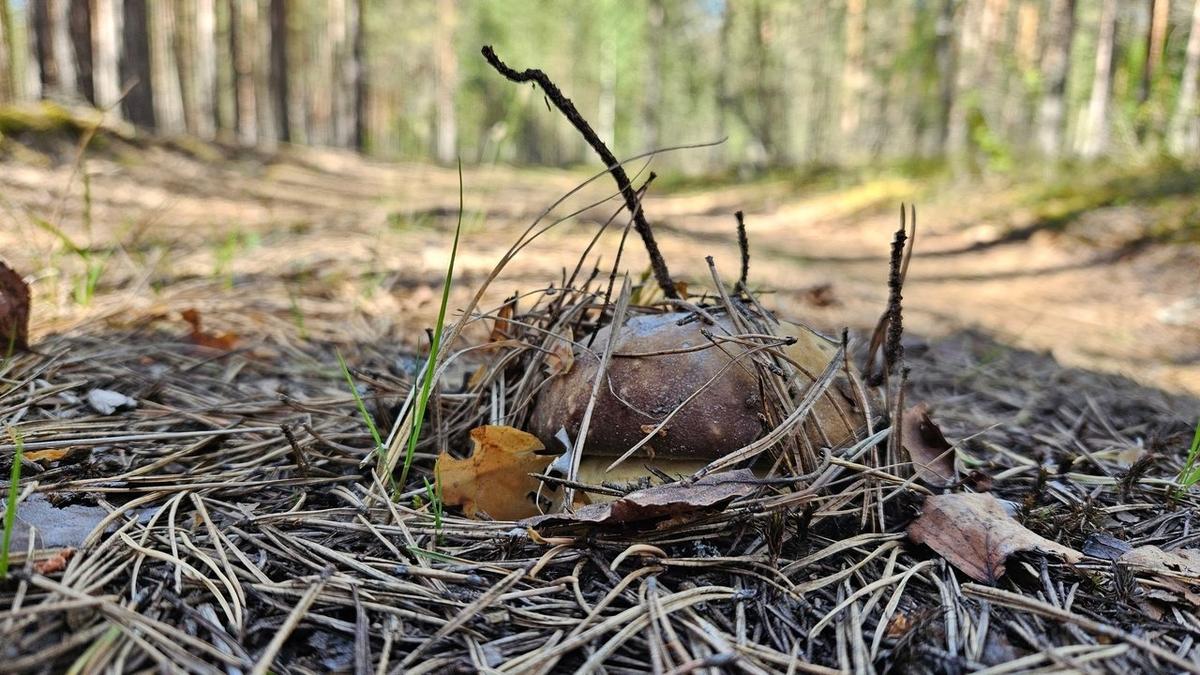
point(890, 328)
point(567, 108)
point(744, 246)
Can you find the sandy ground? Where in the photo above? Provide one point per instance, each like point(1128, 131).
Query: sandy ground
point(358, 249)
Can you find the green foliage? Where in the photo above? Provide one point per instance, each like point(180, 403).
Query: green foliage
point(1189, 475)
point(429, 372)
point(10, 504)
point(234, 244)
point(362, 406)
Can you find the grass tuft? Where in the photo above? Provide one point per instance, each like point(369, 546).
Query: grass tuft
point(1189, 475)
point(10, 505)
point(362, 407)
point(427, 373)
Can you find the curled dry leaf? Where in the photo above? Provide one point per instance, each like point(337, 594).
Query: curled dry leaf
point(14, 311)
point(495, 480)
point(1176, 573)
point(931, 454)
point(974, 533)
point(502, 326)
point(561, 355)
point(203, 338)
point(658, 503)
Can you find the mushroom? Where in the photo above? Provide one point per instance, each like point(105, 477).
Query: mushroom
point(659, 362)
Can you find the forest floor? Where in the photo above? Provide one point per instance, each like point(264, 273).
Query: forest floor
point(1054, 326)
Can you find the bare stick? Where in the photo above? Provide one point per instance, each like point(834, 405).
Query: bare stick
point(744, 246)
point(567, 108)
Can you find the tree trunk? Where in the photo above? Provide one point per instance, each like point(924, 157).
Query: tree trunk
point(359, 45)
point(1094, 141)
point(854, 74)
point(243, 17)
point(1156, 39)
point(1183, 136)
point(652, 99)
point(205, 80)
point(42, 47)
point(339, 119)
point(446, 82)
point(9, 87)
point(135, 64)
point(106, 74)
point(944, 61)
point(63, 54)
point(79, 28)
point(279, 69)
point(1056, 66)
point(164, 73)
point(966, 81)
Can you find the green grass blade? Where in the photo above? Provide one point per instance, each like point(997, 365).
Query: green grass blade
point(362, 407)
point(10, 506)
point(1189, 475)
point(427, 375)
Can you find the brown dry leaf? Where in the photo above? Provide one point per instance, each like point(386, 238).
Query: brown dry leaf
point(14, 311)
point(974, 533)
point(52, 455)
point(502, 326)
point(495, 479)
point(657, 503)
point(198, 336)
point(930, 452)
point(57, 562)
point(561, 356)
point(1177, 572)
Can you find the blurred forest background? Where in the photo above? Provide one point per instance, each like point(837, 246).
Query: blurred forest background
point(984, 83)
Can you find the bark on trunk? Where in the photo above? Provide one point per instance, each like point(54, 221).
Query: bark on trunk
point(446, 82)
point(135, 65)
point(1184, 133)
point(106, 36)
point(279, 69)
point(1056, 67)
point(1096, 126)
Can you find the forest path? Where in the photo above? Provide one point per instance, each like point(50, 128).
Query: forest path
point(360, 246)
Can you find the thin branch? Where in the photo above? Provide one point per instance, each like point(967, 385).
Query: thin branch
point(567, 108)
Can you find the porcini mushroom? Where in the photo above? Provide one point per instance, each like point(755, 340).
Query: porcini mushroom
point(660, 364)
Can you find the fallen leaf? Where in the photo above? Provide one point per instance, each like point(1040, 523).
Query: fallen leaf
point(56, 562)
point(107, 402)
point(974, 533)
point(821, 295)
point(14, 311)
point(931, 454)
point(561, 355)
point(1181, 563)
point(899, 624)
point(198, 336)
point(52, 455)
point(658, 503)
point(502, 326)
point(495, 479)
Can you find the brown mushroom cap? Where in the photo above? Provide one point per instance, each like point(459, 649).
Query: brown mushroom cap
point(652, 372)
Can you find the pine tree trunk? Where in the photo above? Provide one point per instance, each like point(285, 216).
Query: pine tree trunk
point(135, 64)
point(652, 97)
point(1094, 141)
point(339, 118)
point(106, 75)
point(243, 19)
point(966, 81)
point(1183, 136)
point(63, 54)
point(1056, 67)
point(446, 82)
point(359, 54)
point(9, 83)
point(854, 74)
point(944, 61)
point(42, 47)
point(164, 74)
point(79, 26)
point(279, 69)
point(1156, 39)
point(205, 81)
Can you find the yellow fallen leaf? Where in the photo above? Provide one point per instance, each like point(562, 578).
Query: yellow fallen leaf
point(561, 357)
point(495, 479)
point(52, 455)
